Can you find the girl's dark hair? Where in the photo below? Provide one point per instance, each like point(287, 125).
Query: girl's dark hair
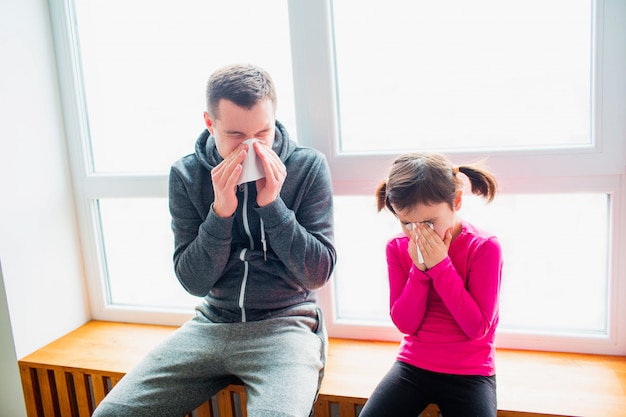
point(243, 84)
point(425, 178)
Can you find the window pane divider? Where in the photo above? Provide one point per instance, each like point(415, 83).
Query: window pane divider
point(127, 186)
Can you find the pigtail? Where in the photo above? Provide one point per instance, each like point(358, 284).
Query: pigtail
point(381, 197)
point(482, 182)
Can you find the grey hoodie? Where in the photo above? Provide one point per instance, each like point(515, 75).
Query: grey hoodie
point(223, 259)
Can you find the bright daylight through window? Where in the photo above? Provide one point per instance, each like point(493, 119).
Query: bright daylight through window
point(527, 86)
point(464, 75)
point(491, 81)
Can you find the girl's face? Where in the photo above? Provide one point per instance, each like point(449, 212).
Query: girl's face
point(440, 215)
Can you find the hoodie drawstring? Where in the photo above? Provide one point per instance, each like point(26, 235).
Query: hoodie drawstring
point(263, 241)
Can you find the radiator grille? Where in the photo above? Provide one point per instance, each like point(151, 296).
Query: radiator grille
point(52, 392)
point(64, 393)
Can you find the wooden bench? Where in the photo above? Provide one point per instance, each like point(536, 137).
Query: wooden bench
point(71, 375)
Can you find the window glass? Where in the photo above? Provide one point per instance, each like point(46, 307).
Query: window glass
point(360, 277)
point(555, 259)
point(138, 247)
point(459, 75)
point(145, 66)
point(368, 80)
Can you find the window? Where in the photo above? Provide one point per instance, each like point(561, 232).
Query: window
point(144, 72)
point(485, 80)
point(535, 87)
point(134, 97)
point(463, 75)
point(547, 287)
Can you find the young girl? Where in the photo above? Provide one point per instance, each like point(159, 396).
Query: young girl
point(444, 281)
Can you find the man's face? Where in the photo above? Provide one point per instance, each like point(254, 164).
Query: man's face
point(236, 124)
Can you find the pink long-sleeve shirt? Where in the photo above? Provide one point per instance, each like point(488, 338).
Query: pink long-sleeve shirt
point(449, 313)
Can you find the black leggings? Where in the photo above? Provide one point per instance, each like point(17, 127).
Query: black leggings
point(406, 391)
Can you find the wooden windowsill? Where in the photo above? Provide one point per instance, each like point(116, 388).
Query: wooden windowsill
point(529, 383)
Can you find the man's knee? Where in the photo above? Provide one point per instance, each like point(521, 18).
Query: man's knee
point(106, 409)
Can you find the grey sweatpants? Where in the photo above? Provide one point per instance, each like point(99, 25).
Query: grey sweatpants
point(279, 359)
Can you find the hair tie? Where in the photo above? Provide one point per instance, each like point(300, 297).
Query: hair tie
point(455, 170)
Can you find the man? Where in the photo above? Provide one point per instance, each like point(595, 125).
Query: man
point(255, 251)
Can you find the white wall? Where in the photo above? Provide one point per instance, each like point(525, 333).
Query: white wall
point(39, 243)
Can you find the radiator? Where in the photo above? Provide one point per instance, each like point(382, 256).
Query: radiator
point(66, 392)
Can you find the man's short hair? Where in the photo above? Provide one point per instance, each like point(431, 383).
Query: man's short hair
point(243, 84)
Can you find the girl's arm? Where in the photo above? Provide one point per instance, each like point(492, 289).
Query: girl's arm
point(474, 304)
point(408, 288)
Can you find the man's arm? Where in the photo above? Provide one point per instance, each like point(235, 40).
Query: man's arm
point(201, 245)
point(303, 238)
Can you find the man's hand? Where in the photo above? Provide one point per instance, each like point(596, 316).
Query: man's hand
point(225, 177)
point(269, 187)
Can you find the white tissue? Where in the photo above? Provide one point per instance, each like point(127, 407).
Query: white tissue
point(252, 166)
point(412, 226)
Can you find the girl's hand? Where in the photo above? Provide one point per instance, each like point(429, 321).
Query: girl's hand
point(269, 187)
point(433, 248)
point(413, 251)
point(225, 176)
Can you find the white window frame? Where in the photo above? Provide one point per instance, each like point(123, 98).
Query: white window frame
point(599, 167)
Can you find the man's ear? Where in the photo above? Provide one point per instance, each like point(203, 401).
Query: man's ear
point(458, 200)
point(209, 123)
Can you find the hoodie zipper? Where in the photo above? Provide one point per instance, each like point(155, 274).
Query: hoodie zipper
point(242, 254)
